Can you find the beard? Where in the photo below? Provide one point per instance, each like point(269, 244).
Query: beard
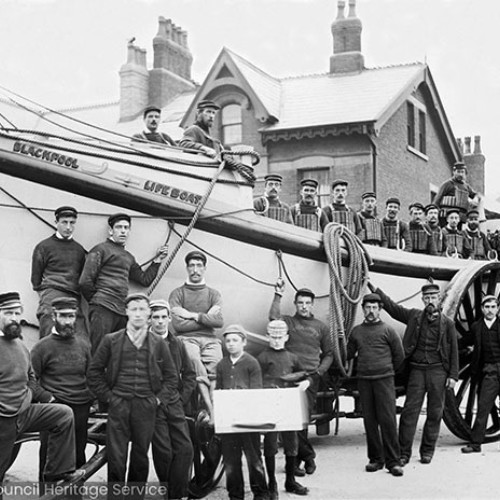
point(13, 331)
point(432, 311)
point(65, 331)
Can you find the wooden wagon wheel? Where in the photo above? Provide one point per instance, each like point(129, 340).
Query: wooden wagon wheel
point(462, 302)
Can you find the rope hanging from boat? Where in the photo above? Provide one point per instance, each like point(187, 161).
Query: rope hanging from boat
point(188, 230)
point(345, 288)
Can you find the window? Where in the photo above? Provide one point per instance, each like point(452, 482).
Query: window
point(231, 124)
point(421, 132)
point(411, 124)
point(322, 175)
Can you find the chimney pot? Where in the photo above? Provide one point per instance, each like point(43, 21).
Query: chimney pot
point(352, 8)
point(340, 9)
point(467, 146)
point(460, 145)
point(477, 144)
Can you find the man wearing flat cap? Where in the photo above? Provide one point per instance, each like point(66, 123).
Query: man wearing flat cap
point(456, 193)
point(373, 230)
point(152, 117)
point(485, 368)
point(197, 136)
point(56, 265)
point(339, 212)
point(105, 278)
point(480, 247)
point(421, 237)
point(455, 242)
point(19, 392)
point(306, 213)
point(309, 339)
point(379, 355)
point(60, 362)
point(133, 373)
point(396, 230)
point(270, 204)
point(431, 352)
point(196, 314)
point(432, 224)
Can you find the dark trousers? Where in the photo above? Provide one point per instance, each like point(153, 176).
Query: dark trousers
point(289, 440)
point(306, 450)
point(80, 417)
point(172, 449)
point(488, 392)
point(378, 401)
point(232, 447)
point(54, 418)
point(129, 420)
point(432, 382)
point(103, 321)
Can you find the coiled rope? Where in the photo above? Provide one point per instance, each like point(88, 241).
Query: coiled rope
point(345, 287)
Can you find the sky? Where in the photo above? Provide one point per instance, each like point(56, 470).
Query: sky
point(65, 53)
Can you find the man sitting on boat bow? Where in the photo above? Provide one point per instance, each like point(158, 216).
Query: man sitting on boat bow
point(151, 116)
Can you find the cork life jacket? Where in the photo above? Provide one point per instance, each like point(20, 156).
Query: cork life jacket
point(454, 242)
point(393, 234)
point(437, 236)
point(344, 217)
point(420, 236)
point(373, 229)
point(307, 220)
point(276, 212)
point(460, 199)
point(478, 251)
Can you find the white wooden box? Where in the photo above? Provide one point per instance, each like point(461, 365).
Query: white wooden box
point(260, 410)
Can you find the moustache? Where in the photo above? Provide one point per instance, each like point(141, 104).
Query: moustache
point(13, 331)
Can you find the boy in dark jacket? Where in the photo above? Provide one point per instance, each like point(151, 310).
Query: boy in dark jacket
point(240, 370)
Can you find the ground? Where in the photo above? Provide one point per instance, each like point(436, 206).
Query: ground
point(340, 474)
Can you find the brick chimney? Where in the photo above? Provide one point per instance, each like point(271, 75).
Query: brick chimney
point(475, 160)
point(171, 73)
point(134, 83)
point(346, 31)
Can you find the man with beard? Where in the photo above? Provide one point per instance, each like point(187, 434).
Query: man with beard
point(485, 368)
point(197, 136)
point(431, 350)
point(133, 372)
point(479, 245)
point(456, 193)
point(454, 241)
point(60, 362)
point(196, 313)
point(309, 339)
point(152, 116)
point(397, 231)
point(171, 445)
point(270, 204)
point(432, 224)
point(379, 355)
point(306, 212)
point(421, 237)
point(105, 278)
point(373, 228)
point(339, 212)
point(56, 265)
point(18, 391)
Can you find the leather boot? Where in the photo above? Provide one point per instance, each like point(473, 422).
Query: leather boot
point(271, 476)
point(291, 485)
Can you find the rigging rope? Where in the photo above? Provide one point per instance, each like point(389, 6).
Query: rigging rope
point(345, 288)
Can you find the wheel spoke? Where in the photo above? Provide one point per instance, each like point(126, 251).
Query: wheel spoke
point(492, 282)
point(468, 310)
point(478, 295)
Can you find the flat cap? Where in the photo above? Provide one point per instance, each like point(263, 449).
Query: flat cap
point(238, 329)
point(452, 211)
point(488, 298)
point(10, 300)
point(429, 288)
point(416, 205)
point(368, 194)
point(305, 292)
point(339, 182)
point(149, 109)
point(195, 254)
point(309, 182)
point(459, 165)
point(430, 206)
point(277, 326)
point(273, 177)
point(394, 200)
point(160, 304)
point(473, 211)
point(136, 296)
point(207, 103)
point(65, 211)
point(61, 303)
point(113, 219)
point(371, 297)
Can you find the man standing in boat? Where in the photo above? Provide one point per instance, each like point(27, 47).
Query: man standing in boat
point(197, 136)
point(105, 278)
point(309, 339)
point(373, 230)
point(270, 204)
point(339, 212)
point(56, 265)
point(431, 351)
point(306, 213)
point(432, 224)
point(456, 193)
point(396, 230)
point(454, 241)
point(152, 116)
point(421, 237)
point(478, 242)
